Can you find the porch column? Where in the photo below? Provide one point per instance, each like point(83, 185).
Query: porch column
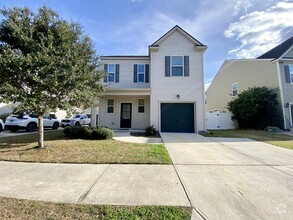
point(94, 111)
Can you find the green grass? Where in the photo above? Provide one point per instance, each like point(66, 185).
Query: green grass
point(275, 138)
point(25, 209)
point(60, 149)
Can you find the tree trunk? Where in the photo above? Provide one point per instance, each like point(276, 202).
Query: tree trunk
point(41, 130)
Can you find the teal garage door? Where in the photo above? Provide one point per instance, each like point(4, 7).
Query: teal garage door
point(177, 117)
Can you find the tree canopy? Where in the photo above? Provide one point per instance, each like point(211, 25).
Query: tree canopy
point(46, 62)
point(256, 108)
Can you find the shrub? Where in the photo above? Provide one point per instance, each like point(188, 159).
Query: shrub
point(150, 131)
point(256, 108)
point(97, 133)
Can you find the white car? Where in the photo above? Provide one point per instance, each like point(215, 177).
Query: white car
point(29, 122)
point(76, 120)
point(1, 125)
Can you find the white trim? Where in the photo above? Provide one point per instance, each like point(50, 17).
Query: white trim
point(141, 72)
point(204, 96)
point(110, 113)
point(171, 70)
point(144, 105)
point(281, 94)
point(111, 72)
point(233, 84)
point(285, 52)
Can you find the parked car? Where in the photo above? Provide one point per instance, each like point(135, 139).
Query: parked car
point(29, 122)
point(76, 120)
point(1, 125)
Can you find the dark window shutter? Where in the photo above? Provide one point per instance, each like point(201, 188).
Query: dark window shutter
point(106, 71)
point(287, 74)
point(167, 66)
point(147, 73)
point(117, 73)
point(186, 65)
point(135, 73)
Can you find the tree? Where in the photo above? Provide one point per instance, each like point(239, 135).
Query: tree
point(256, 108)
point(46, 63)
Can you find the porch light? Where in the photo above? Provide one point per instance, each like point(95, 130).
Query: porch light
point(178, 96)
point(287, 105)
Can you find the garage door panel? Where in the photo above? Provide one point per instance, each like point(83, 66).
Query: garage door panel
point(177, 117)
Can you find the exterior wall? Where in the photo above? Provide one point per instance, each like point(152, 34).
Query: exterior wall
point(247, 73)
point(287, 89)
point(166, 89)
point(138, 120)
point(126, 72)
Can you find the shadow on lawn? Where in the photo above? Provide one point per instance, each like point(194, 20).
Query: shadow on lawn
point(24, 140)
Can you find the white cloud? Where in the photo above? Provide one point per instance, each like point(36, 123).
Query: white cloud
point(259, 31)
point(241, 5)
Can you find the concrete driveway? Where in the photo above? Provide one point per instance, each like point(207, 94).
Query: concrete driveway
point(228, 178)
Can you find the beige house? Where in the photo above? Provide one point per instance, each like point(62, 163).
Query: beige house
point(273, 69)
point(164, 88)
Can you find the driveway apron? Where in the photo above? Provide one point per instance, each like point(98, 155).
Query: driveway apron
point(233, 178)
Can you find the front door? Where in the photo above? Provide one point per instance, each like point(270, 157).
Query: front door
point(125, 118)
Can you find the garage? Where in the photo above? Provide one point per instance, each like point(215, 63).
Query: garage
point(177, 117)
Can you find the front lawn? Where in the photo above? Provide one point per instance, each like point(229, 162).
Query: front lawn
point(25, 209)
point(275, 138)
point(60, 149)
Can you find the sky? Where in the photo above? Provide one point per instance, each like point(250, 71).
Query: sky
point(232, 29)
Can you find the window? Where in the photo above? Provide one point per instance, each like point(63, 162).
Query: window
point(291, 73)
point(141, 105)
point(141, 72)
point(110, 106)
point(177, 65)
point(235, 89)
point(111, 73)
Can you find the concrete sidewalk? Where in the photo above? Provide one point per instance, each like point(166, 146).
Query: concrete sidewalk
point(93, 184)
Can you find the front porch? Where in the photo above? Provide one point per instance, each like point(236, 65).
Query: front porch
point(125, 109)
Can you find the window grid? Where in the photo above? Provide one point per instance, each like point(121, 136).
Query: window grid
point(111, 72)
point(141, 73)
point(235, 89)
point(110, 106)
point(141, 105)
point(177, 65)
point(291, 73)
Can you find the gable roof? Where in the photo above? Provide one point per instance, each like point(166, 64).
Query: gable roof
point(279, 50)
point(176, 27)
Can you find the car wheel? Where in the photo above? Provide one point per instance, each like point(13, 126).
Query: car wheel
point(12, 129)
point(77, 124)
point(55, 126)
point(31, 127)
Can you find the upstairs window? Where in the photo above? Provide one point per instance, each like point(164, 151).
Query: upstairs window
point(141, 105)
point(110, 105)
point(111, 73)
point(177, 65)
point(235, 89)
point(141, 72)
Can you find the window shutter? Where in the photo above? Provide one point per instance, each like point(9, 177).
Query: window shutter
point(135, 73)
point(287, 74)
point(106, 71)
point(147, 73)
point(186, 65)
point(167, 66)
point(117, 73)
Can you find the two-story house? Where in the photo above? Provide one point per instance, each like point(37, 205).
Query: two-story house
point(273, 69)
point(164, 89)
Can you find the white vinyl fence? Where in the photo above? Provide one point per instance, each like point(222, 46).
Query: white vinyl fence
point(219, 120)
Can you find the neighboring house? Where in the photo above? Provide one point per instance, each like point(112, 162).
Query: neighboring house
point(164, 89)
point(273, 69)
